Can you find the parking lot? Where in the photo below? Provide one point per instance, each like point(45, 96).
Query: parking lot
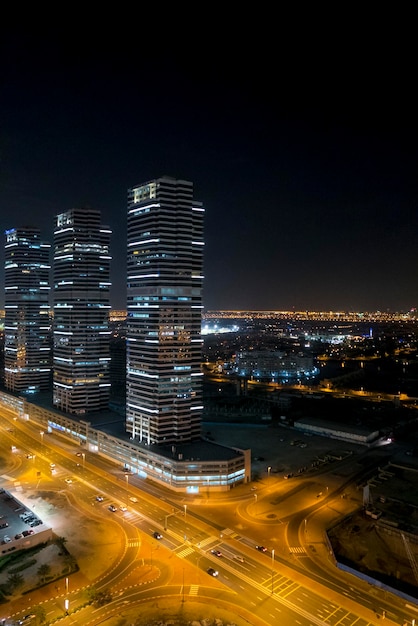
point(280, 449)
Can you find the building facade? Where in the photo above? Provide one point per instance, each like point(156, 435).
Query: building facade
point(81, 307)
point(164, 307)
point(27, 326)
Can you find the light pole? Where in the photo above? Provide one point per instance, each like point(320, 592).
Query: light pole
point(42, 436)
point(127, 484)
point(268, 471)
point(83, 456)
point(185, 512)
point(183, 585)
point(272, 569)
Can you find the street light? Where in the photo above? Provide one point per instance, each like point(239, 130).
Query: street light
point(268, 471)
point(272, 569)
point(42, 435)
point(84, 458)
point(185, 511)
point(183, 585)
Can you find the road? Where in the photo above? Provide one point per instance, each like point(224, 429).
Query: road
point(288, 582)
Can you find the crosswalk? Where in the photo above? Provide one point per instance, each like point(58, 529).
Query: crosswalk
point(185, 552)
point(134, 543)
point(194, 590)
point(297, 550)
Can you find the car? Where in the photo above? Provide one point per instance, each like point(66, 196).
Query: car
point(133, 499)
point(239, 558)
point(29, 456)
point(78, 453)
point(68, 481)
point(217, 553)
point(99, 498)
point(6, 539)
point(112, 508)
point(213, 572)
point(123, 508)
point(26, 533)
point(36, 522)
point(261, 548)
point(52, 465)
point(18, 536)
point(157, 535)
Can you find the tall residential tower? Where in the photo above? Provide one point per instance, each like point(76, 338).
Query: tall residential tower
point(27, 327)
point(81, 308)
point(164, 305)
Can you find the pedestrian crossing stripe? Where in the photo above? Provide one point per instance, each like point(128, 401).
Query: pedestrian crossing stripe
point(207, 541)
point(185, 553)
point(194, 590)
point(297, 550)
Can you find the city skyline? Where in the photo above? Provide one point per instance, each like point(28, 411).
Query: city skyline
point(307, 173)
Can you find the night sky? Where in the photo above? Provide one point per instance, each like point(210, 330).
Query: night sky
point(302, 149)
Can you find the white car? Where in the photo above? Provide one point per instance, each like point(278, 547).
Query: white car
point(133, 499)
point(68, 481)
point(123, 508)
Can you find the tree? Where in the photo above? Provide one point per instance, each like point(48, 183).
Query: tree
point(60, 542)
point(43, 571)
point(40, 614)
point(15, 581)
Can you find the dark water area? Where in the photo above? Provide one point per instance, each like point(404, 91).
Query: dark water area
point(375, 375)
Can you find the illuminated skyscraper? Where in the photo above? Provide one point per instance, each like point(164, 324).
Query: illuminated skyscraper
point(27, 328)
point(164, 306)
point(81, 306)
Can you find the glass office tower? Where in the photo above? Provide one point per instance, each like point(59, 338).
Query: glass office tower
point(27, 327)
point(164, 306)
point(81, 309)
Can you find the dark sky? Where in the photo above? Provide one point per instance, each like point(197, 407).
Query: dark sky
point(303, 150)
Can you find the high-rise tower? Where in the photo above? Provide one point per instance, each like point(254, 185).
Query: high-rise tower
point(27, 328)
point(164, 305)
point(81, 307)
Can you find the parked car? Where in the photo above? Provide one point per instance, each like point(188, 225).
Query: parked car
point(133, 499)
point(157, 535)
point(112, 508)
point(99, 498)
